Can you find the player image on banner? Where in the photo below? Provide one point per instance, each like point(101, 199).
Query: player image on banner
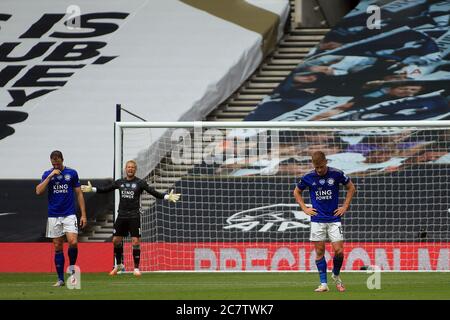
point(397, 102)
point(399, 72)
point(402, 44)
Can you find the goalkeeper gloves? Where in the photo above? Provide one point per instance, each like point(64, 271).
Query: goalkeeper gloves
point(88, 188)
point(172, 197)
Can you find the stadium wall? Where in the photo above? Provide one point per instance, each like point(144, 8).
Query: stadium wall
point(23, 214)
point(38, 257)
point(283, 256)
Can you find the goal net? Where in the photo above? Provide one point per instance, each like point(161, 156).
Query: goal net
point(237, 211)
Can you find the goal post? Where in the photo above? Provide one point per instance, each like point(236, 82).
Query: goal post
point(237, 211)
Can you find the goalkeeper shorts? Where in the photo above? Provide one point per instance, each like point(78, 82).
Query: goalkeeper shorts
point(321, 231)
point(127, 226)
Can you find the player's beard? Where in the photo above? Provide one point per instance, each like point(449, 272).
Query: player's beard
point(58, 166)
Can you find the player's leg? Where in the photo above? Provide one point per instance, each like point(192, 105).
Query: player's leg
point(337, 242)
point(321, 264)
point(59, 260)
point(70, 228)
point(120, 231)
point(135, 230)
point(136, 255)
point(318, 237)
point(55, 232)
point(118, 253)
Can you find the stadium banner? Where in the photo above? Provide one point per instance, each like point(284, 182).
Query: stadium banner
point(411, 256)
point(242, 256)
point(397, 69)
point(50, 52)
point(39, 257)
point(270, 214)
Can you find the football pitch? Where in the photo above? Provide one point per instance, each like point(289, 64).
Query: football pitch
point(226, 286)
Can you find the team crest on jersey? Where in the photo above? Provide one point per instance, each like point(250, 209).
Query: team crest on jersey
point(67, 177)
point(133, 185)
point(322, 181)
point(330, 181)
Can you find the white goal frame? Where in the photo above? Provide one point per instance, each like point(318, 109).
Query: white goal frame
point(119, 126)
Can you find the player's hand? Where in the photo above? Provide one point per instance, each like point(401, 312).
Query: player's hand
point(86, 188)
point(310, 211)
point(55, 172)
point(172, 197)
point(83, 222)
point(340, 211)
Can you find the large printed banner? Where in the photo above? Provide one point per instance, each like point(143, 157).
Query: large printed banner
point(289, 256)
point(386, 60)
point(406, 206)
point(395, 69)
point(64, 65)
point(226, 256)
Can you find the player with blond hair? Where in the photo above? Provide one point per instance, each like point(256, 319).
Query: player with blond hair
point(323, 184)
point(128, 219)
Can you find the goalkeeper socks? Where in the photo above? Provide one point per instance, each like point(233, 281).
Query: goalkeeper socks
point(118, 253)
point(73, 254)
point(337, 264)
point(322, 267)
point(59, 264)
point(136, 255)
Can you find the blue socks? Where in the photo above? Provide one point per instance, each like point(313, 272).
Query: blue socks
point(322, 267)
point(73, 253)
point(59, 264)
point(60, 260)
point(337, 264)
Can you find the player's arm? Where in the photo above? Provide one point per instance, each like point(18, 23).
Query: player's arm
point(41, 187)
point(301, 202)
point(100, 189)
point(80, 199)
point(351, 190)
point(172, 197)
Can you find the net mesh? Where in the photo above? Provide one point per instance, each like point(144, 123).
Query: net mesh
point(237, 210)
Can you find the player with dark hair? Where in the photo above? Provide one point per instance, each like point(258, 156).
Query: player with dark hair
point(128, 220)
point(61, 182)
point(323, 183)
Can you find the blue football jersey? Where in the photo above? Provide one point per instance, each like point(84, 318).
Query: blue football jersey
point(61, 199)
point(324, 193)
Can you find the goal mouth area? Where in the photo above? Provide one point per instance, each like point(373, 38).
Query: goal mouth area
point(237, 179)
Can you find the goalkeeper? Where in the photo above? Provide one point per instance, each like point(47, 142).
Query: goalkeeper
point(128, 220)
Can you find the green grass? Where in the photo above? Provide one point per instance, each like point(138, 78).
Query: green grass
point(224, 286)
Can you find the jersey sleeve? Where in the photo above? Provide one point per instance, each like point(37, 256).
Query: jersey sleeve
point(302, 184)
point(45, 175)
point(76, 180)
point(152, 191)
point(109, 187)
point(343, 178)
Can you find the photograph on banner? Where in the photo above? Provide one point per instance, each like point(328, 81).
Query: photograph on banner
point(392, 15)
point(399, 72)
point(360, 152)
point(365, 88)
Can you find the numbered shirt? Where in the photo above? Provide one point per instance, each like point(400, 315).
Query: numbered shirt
point(324, 193)
point(61, 199)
